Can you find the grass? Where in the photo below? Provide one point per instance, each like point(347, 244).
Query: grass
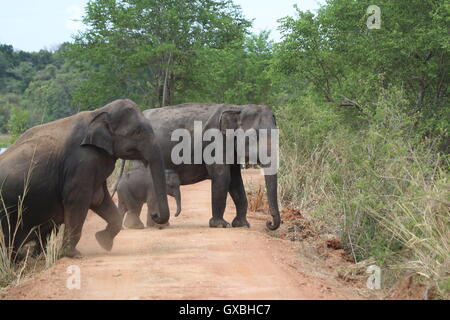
point(54, 246)
point(256, 197)
point(380, 187)
point(13, 270)
point(15, 265)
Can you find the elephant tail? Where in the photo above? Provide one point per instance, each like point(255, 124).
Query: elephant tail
point(122, 167)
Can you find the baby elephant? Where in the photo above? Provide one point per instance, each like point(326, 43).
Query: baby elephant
point(136, 187)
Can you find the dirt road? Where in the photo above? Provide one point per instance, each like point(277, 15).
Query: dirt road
point(188, 260)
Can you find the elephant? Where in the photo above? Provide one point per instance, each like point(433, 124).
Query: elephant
point(55, 172)
point(225, 178)
point(136, 187)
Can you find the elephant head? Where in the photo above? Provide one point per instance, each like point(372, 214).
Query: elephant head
point(121, 130)
point(261, 119)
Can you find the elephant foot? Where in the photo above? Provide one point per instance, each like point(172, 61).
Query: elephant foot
point(240, 222)
point(133, 222)
point(153, 224)
point(104, 239)
point(73, 253)
point(218, 223)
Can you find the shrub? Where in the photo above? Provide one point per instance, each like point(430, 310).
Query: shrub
point(381, 186)
point(18, 121)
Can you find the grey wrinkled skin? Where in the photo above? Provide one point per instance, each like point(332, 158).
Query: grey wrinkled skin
point(225, 178)
point(68, 162)
point(136, 188)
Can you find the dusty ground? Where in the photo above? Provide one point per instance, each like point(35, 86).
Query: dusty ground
point(189, 260)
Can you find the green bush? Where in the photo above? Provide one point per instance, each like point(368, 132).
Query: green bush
point(380, 186)
point(18, 121)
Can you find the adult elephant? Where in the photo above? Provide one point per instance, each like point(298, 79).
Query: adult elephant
point(54, 173)
point(225, 178)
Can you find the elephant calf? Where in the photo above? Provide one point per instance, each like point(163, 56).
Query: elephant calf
point(136, 187)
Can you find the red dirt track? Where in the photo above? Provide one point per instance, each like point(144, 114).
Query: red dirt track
point(188, 260)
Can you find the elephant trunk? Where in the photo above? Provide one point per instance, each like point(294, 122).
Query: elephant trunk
point(159, 181)
point(177, 196)
point(272, 197)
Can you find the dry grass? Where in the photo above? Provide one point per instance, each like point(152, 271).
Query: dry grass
point(54, 247)
point(382, 190)
point(256, 196)
point(19, 264)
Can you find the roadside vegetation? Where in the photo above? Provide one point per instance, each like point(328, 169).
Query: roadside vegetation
point(382, 189)
point(365, 143)
point(17, 265)
point(364, 113)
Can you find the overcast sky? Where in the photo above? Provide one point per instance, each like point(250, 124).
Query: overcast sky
point(32, 25)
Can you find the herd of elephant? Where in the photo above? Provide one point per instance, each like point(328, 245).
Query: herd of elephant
point(56, 172)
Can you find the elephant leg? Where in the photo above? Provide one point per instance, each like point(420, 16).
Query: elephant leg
point(177, 196)
point(109, 212)
point(76, 205)
point(74, 217)
point(132, 220)
point(220, 181)
point(122, 207)
point(237, 192)
point(130, 209)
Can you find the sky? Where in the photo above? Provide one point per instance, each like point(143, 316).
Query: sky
point(32, 25)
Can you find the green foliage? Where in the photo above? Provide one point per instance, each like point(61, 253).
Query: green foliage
point(50, 95)
point(364, 114)
point(35, 88)
point(141, 48)
point(236, 74)
point(7, 103)
point(383, 188)
point(367, 114)
point(347, 63)
point(18, 121)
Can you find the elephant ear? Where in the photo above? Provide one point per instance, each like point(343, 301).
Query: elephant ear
point(99, 133)
point(230, 119)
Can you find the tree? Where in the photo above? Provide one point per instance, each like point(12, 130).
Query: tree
point(238, 73)
point(140, 48)
point(348, 63)
point(50, 95)
point(18, 121)
point(8, 102)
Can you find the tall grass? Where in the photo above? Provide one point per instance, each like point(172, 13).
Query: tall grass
point(10, 270)
point(11, 266)
point(15, 257)
point(19, 262)
point(378, 184)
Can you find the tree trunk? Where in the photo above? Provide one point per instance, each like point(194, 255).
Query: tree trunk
point(166, 80)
